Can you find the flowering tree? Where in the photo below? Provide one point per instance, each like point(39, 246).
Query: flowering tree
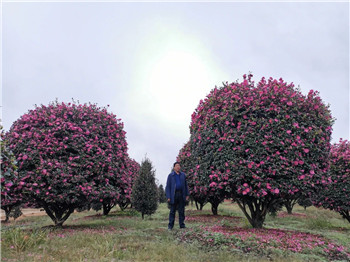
point(10, 194)
point(203, 189)
point(334, 190)
point(305, 201)
point(68, 155)
point(197, 191)
point(260, 143)
point(122, 187)
point(132, 170)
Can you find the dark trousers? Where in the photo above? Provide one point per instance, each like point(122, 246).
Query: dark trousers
point(179, 205)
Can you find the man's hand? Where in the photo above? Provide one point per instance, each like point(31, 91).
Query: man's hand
point(168, 199)
point(187, 198)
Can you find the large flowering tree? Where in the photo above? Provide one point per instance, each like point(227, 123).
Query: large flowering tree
point(68, 155)
point(334, 189)
point(202, 188)
point(11, 197)
point(261, 143)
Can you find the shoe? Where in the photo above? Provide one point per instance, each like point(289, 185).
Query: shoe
point(183, 227)
point(170, 229)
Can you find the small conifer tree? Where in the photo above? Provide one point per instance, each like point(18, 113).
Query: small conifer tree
point(145, 191)
point(162, 196)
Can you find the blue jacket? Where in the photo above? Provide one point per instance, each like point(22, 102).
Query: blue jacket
point(171, 185)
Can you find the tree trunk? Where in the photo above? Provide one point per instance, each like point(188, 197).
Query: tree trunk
point(107, 208)
point(214, 208)
point(258, 210)
point(288, 207)
point(345, 215)
point(7, 213)
point(143, 215)
point(123, 206)
point(58, 214)
point(289, 204)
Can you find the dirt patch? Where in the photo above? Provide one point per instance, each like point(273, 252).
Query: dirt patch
point(27, 212)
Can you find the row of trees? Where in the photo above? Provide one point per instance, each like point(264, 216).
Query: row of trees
point(264, 146)
point(64, 157)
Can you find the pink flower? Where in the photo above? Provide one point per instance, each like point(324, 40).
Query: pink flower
point(289, 103)
point(289, 131)
point(277, 190)
point(9, 184)
point(306, 150)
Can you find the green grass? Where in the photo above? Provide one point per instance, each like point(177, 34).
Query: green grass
point(124, 236)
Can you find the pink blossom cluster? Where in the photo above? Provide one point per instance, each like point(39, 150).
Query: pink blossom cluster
point(132, 170)
point(198, 217)
point(69, 155)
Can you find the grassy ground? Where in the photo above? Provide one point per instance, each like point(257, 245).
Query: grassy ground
point(124, 236)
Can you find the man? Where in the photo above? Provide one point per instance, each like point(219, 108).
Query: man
point(177, 194)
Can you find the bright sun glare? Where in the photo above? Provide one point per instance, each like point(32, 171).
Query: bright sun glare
point(176, 79)
point(174, 71)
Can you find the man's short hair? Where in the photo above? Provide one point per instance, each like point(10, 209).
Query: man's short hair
point(176, 163)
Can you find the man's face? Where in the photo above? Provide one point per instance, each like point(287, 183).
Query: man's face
point(177, 168)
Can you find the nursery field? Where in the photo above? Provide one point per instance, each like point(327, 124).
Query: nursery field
point(306, 235)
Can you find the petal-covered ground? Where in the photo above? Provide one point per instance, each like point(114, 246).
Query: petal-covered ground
point(219, 231)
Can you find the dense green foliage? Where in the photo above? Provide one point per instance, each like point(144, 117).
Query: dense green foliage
point(162, 195)
point(145, 194)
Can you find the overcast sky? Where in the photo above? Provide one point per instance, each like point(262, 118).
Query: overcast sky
point(153, 62)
